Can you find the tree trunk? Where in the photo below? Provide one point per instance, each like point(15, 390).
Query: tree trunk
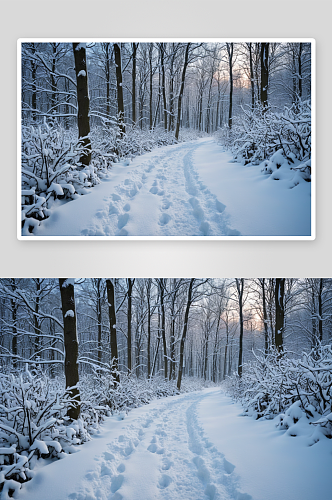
point(130, 283)
point(184, 331)
point(83, 120)
point(163, 88)
point(280, 313)
point(151, 85)
point(163, 332)
point(240, 288)
point(185, 64)
point(108, 79)
point(133, 95)
point(320, 309)
point(118, 70)
point(266, 332)
point(252, 78)
point(71, 344)
point(230, 49)
point(264, 74)
point(99, 320)
point(112, 318)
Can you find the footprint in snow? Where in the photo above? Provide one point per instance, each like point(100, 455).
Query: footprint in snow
point(204, 228)
point(112, 209)
point(164, 219)
point(117, 483)
point(197, 209)
point(167, 464)
point(220, 206)
point(121, 468)
point(123, 219)
point(164, 481)
point(166, 204)
point(228, 466)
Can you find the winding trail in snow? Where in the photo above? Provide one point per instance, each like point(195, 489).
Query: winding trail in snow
point(190, 189)
point(158, 194)
point(160, 454)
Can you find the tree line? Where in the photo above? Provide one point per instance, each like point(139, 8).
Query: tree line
point(172, 85)
point(183, 326)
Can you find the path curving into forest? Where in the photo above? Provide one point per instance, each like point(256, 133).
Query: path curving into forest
point(158, 194)
point(159, 451)
point(196, 446)
point(190, 189)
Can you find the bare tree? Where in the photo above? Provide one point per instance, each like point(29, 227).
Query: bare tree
point(71, 344)
point(118, 70)
point(83, 120)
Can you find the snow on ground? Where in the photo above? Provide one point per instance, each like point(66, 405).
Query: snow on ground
point(256, 203)
point(189, 447)
point(189, 189)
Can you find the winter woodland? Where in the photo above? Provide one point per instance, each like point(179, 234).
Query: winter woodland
point(166, 138)
point(165, 388)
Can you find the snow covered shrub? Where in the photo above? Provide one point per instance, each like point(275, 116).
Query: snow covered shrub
point(106, 396)
point(51, 170)
point(33, 424)
point(277, 141)
point(291, 388)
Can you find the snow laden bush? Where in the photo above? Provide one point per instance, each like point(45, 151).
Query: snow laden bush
point(107, 396)
point(108, 140)
point(276, 141)
point(52, 170)
point(290, 388)
point(33, 424)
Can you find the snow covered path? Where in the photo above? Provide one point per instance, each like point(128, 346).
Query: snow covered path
point(179, 191)
point(174, 449)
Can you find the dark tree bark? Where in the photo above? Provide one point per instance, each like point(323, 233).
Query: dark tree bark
point(53, 80)
point(240, 289)
point(280, 313)
point(320, 309)
point(13, 306)
point(175, 288)
point(99, 318)
point(252, 77)
point(161, 283)
point(148, 300)
point(130, 284)
point(107, 50)
point(300, 68)
point(112, 318)
point(184, 331)
point(118, 71)
point(151, 85)
point(266, 332)
point(34, 85)
point(133, 95)
point(163, 87)
point(36, 315)
point(71, 344)
point(264, 74)
point(83, 120)
point(185, 65)
point(230, 50)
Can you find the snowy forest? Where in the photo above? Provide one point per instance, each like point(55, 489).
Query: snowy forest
point(94, 361)
point(165, 133)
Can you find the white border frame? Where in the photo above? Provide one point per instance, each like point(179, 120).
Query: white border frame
point(170, 238)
